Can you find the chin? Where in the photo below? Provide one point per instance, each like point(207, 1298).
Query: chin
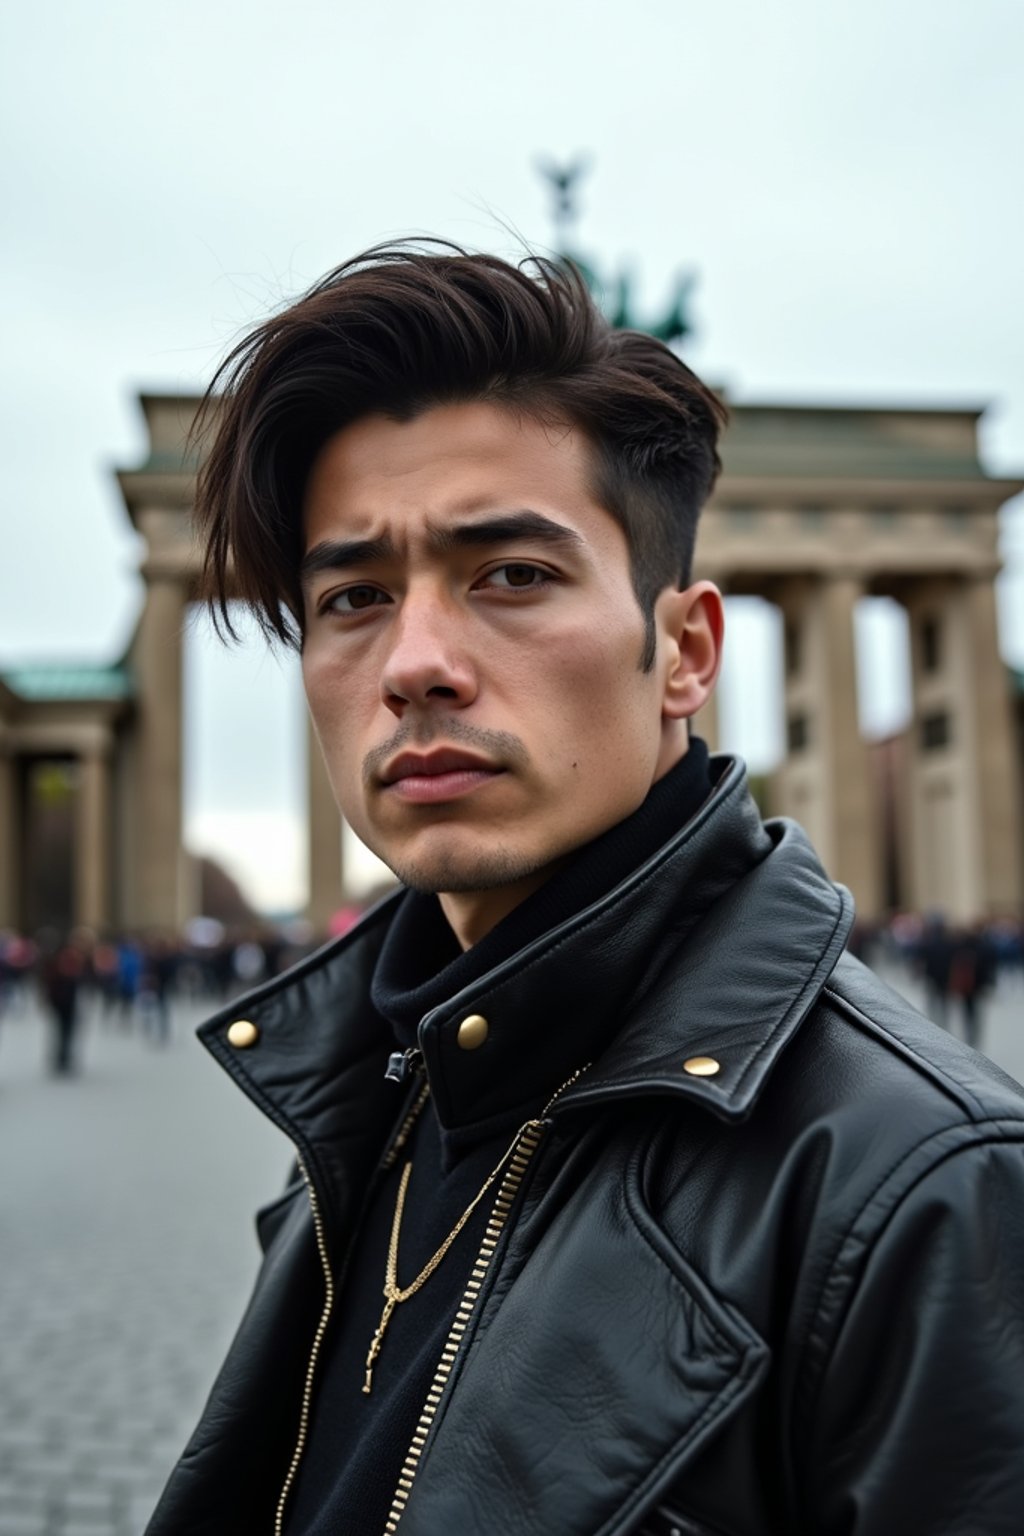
point(452, 871)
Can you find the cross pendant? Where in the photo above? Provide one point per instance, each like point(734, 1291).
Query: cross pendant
point(378, 1339)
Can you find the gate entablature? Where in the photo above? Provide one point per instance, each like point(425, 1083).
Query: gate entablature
point(866, 492)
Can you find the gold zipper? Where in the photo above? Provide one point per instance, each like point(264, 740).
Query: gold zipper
point(318, 1338)
point(405, 1129)
point(525, 1147)
point(321, 1242)
point(507, 1190)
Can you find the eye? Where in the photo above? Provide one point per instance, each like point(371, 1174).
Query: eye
point(517, 576)
point(355, 599)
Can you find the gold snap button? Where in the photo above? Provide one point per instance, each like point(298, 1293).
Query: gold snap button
point(243, 1033)
point(472, 1032)
point(702, 1066)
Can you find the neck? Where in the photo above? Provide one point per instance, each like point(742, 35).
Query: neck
point(472, 914)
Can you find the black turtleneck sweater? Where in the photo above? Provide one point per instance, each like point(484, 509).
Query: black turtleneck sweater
point(357, 1443)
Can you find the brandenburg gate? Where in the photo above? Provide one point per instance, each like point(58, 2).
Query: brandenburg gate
point(816, 509)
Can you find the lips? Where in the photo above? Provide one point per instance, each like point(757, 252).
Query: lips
point(434, 778)
point(428, 765)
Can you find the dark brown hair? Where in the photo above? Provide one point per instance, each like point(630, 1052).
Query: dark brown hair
point(402, 328)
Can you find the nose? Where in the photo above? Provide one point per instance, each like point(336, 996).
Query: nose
point(427, 665)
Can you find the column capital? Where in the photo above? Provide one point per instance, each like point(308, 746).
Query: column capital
point(83, 738)
point(95, 743)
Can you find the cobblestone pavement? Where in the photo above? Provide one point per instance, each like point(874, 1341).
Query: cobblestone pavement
point(126, 1254)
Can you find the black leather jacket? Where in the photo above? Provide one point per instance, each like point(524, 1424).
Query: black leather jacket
point(784, 1298)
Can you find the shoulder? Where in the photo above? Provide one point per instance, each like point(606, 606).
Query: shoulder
point(891, 1096)
point(869, 1117)
point(861, 1020)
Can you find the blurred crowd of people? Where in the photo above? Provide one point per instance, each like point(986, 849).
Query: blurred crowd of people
point(957, 964)
point(132, 979)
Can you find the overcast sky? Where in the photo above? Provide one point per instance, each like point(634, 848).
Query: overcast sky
point(844, 179)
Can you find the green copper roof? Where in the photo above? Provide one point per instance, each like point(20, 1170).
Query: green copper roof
point(54, 682)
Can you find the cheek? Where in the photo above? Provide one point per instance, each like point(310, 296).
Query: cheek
point(598, 700)
point(333, 710)
point(316, 686)
point(315, 671)
point(333, 691)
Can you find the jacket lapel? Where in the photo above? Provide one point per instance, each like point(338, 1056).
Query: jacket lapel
point(737, 991)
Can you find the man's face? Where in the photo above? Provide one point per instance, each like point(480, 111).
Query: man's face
point(472, 649)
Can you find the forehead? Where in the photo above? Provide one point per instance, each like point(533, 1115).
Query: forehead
point(452, 461)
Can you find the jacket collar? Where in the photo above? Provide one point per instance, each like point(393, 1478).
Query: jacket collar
point(714, 947)
point(736, 993)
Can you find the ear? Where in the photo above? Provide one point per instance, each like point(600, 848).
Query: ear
point(692, 626)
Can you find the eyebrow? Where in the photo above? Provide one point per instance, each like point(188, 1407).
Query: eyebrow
point(342, 555)
point(506, 528)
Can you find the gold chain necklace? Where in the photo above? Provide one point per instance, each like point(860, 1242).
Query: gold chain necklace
point(395, 1293)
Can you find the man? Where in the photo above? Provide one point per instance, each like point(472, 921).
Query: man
point(625, 1202)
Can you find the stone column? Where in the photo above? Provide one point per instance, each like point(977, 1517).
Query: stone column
point(943, 865)
point(825, 782)
point(93, 839)
point(998, 808)
point(326, 884)
point(966, 850)
point(159, 899)
point(856, 831)
point(9, 839)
